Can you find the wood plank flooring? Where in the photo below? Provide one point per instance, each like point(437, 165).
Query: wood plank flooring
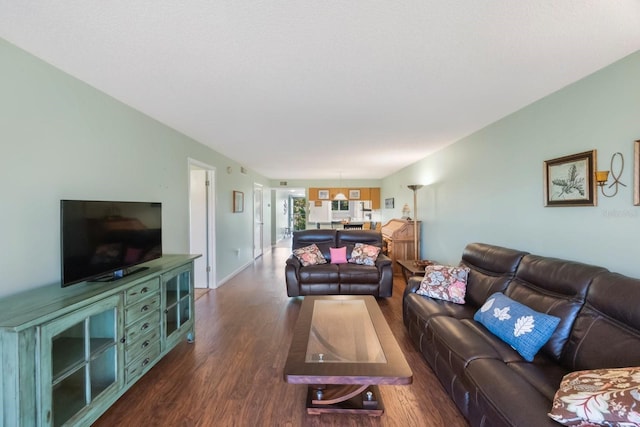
point(232, 374)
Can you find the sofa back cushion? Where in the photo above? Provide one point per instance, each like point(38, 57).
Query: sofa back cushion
point(606, 333)
point(349, 238)
point(555, 287)
point(324, 239)
point(491, 268)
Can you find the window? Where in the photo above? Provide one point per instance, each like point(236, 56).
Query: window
point(340, 205)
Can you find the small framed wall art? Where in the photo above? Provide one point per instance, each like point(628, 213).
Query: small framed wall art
point(323, 194)
point(354, 194)
point(238, 201)
point(389, 203)
point(570, 180)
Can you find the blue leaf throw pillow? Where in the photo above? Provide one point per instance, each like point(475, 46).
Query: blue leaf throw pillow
point(524, 329)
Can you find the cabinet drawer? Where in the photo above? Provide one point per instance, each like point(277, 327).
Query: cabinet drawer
point(136, 348)
point(140, 309)
point(143, 326)
point(142, 363)
point(142, 290)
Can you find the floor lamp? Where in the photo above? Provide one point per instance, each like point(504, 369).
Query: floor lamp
point(416, 252)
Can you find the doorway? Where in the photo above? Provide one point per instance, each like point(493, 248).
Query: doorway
point(258, 220)
point(202, 222)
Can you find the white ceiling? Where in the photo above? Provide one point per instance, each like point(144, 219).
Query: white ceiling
point(297, 89)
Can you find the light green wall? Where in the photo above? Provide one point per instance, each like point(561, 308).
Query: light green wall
point(488, 187)
point(61, 138)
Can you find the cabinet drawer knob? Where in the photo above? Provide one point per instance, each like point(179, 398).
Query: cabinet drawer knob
point(145, 362)
point(144, 326)
point(144, 290)
point(123, 340)
point(144, 308)
point(145, 344)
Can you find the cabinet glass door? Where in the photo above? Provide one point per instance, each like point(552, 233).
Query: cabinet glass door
point(179, 300)
point(83, 348)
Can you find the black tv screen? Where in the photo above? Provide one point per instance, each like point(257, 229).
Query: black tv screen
point(101, 240)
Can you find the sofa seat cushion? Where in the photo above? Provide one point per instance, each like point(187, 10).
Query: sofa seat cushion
point(456, 342)
point(503, 397)
point(319, 288)
point(425, 308)
point(544, 375)
point(324, 273)
point(356, 273)
point(359, 289)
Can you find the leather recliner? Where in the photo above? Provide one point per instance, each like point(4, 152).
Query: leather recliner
point(489, 381)
point(338, 279)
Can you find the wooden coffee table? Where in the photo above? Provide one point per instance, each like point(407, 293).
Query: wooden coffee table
point(342, 348)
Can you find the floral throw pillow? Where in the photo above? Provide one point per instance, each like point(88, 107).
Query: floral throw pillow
point(601, 396)
point(523, 328)
point(445, 283)
point(310, 255)
point(364, 254)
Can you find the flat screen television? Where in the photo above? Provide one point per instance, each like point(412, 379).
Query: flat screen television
point(102, 240)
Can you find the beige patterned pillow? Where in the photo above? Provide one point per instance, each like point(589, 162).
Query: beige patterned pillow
point(310, 255)
point(364, 254)
point(602, 396)
point(445, 283)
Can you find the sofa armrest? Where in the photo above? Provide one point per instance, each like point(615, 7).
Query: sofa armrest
point(291, 271)
point(413, 284)
point(294, 262)
point(382, 260)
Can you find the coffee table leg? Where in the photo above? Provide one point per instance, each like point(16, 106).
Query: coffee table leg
point(350, 399)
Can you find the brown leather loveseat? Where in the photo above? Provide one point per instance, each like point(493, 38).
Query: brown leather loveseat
point(491, 383)
point(338, 279)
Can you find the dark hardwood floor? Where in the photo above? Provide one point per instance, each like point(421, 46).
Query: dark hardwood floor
point(232, 374)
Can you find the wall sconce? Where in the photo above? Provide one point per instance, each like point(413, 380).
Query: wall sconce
point(603, 176)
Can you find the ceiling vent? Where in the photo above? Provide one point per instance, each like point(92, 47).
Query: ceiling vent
point(243, 170)
point(283, 183)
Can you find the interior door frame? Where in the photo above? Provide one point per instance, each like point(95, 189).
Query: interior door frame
point(258, 220)
point(210, 255)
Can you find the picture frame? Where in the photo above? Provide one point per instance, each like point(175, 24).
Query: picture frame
point(354, 194)
point(570, 180)
point(636, 173)
point(389, 203)
point(238, 201)
point(323, 194)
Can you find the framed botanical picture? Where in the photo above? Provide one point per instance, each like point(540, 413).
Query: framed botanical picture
point(636, 173)
point(389, 203)
point(238, 201)
point(323, 194)
point(354, 194)
point(570, 180)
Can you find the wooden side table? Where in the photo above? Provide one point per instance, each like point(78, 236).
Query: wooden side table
point(409, 268)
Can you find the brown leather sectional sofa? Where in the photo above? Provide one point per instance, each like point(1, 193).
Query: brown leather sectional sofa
point(338, 279)
point(489, 381)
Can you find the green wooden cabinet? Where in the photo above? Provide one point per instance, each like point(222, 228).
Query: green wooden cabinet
point(67, 354)
point(80, 358)
point(178, 303)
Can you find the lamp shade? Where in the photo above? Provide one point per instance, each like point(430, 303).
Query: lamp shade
point(602, 177)
point(340, 196)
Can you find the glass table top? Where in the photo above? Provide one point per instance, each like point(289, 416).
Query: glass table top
point(342, 332)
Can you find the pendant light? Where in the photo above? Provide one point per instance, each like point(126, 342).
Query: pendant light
point(340, 195)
